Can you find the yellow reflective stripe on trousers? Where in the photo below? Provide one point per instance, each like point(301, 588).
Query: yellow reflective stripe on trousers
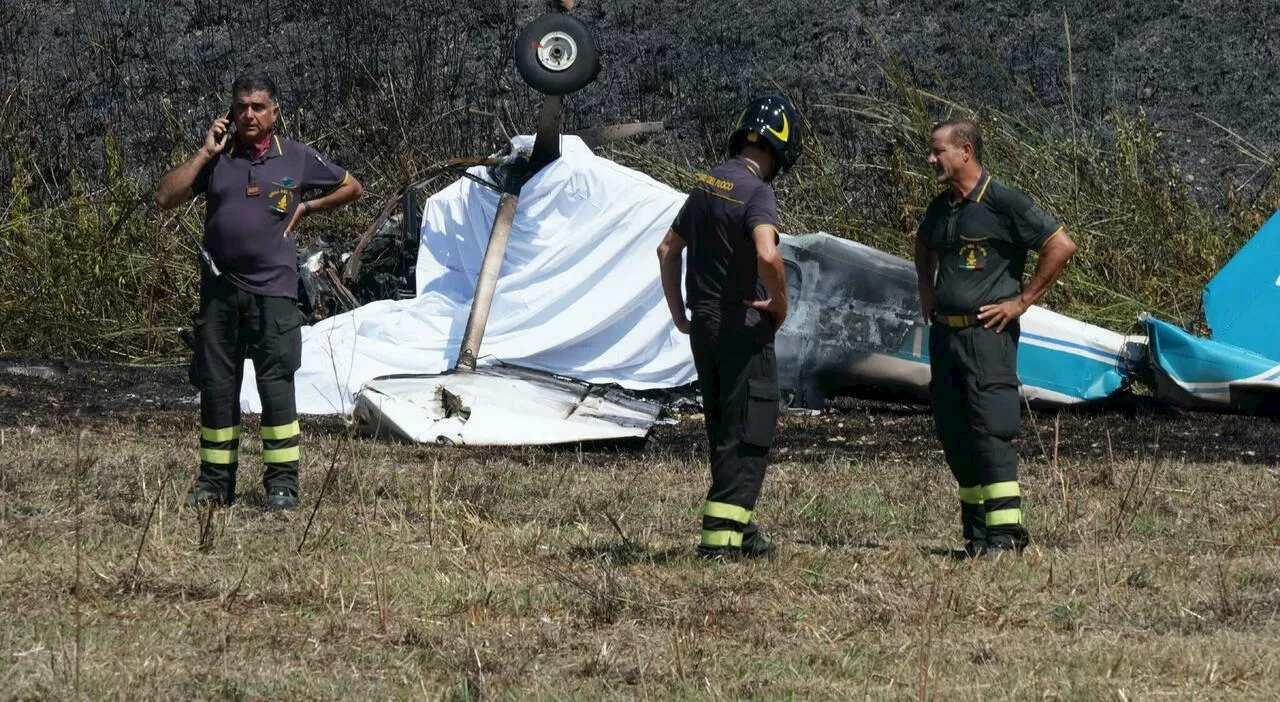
point(284, 455)
point(971, 495)
point(721, 538)
point(1002, 517)
point(224, 434)
point(995, 491)
point(218, 456)
point(284, 431)
point(724, 510)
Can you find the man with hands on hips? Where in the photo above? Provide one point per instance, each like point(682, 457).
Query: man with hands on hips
point(970, 253)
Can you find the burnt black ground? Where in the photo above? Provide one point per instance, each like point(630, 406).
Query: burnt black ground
point(65, 394)
point(359, 75)
point(43, 392)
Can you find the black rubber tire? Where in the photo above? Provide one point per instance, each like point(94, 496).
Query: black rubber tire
point(577, 75)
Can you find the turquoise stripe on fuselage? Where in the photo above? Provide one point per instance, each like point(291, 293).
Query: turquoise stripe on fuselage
point(1066, 373)
point(1084, 377)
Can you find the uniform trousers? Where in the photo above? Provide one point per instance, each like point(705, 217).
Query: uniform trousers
point(738, 377)
point(233, 325)
point(976, 409)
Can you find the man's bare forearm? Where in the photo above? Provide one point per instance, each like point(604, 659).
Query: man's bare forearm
point(671, 287)
point(769, 267)
point(175, 187)
point(670, 266)
point(774, 277)
point(1053, 261)
point(348, 192)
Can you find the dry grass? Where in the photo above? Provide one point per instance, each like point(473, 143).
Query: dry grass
point(467, 574)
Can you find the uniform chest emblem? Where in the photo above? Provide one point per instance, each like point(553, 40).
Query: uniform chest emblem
point(281, 196)
point(973, 254)
point(279, 200)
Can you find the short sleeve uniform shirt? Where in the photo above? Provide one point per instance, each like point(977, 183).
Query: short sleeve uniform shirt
point(249, 202)
point(981, 243)
point(716, 224)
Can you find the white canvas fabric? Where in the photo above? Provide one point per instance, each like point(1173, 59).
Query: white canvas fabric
point(579, 293)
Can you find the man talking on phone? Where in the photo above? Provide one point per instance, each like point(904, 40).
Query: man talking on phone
point(255, 184)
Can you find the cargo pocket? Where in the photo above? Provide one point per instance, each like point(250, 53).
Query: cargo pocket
point(193, 370)
point(762, 412)
point(289, 340)
point(996, 407)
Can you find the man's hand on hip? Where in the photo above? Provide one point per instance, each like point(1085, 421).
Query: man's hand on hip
point(301, 209)
point(774, 307)
point(1001, 313)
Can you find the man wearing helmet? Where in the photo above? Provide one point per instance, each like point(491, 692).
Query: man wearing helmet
point(970, 252)
point(738, 299)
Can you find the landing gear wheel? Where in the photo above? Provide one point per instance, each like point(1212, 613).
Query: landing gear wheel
point(556, 54)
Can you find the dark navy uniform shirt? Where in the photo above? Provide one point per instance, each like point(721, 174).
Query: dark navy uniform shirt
point(250, 202)
point(716, 223)
point(982, 243)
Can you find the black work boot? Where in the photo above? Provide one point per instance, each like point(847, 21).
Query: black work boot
point(1010, 541)
point(281, 500)
point(219, 489)
point(754, 545)
point(757, 548)
point(201, 495)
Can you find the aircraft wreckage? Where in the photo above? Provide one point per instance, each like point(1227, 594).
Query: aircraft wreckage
point(544, 252)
